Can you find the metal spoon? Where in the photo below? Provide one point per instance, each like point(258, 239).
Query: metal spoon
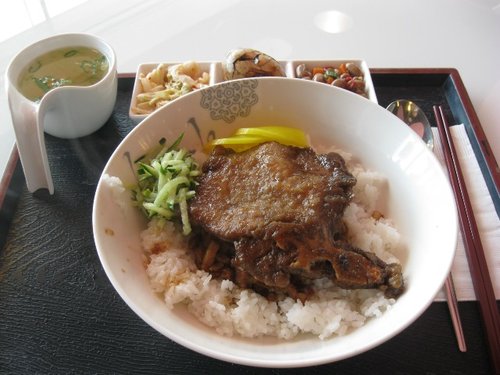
point(413, 116)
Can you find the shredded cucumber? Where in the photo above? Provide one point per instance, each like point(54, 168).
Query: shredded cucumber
point(165, 182)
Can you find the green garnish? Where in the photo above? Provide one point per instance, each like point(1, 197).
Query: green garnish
point(94, 66)
point(48, 83)
point(35, 67)
point(165, 183)
point(70, 53)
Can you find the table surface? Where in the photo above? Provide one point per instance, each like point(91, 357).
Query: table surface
point(388, 33)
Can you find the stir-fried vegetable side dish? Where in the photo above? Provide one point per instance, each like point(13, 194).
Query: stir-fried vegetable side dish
point(166, 83)
point(166, 182)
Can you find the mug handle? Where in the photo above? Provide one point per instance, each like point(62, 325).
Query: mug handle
point(28, 127)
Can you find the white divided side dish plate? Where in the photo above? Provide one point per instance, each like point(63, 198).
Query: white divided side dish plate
point(214, 68)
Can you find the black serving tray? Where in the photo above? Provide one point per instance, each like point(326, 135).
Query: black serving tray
point(60, 314)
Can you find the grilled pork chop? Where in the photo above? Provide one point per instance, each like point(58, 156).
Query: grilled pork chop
point(270, 218)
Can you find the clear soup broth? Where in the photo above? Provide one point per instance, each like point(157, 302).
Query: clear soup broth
point(68, 66)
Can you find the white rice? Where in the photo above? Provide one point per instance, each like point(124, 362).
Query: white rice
point(231, 310)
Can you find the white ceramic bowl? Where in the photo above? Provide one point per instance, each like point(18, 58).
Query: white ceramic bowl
point(65, 112)
point(420, 203)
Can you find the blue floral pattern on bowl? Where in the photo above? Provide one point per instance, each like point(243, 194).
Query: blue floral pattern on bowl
point(231, 100)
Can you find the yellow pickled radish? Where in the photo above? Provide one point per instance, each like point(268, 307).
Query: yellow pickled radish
point(245, 138)
point(282, 134)
point(236, 142)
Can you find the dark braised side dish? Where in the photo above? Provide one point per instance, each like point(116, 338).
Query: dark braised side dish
point(270, 219)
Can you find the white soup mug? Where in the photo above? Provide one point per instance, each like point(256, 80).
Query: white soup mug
point(64, 112)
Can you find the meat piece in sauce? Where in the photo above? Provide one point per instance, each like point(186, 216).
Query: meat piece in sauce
point(271, 219)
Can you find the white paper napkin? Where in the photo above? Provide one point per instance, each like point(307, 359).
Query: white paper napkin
point(487, 220)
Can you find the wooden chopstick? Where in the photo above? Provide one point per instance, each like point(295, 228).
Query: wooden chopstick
point(451, 298)
point(473, 248)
